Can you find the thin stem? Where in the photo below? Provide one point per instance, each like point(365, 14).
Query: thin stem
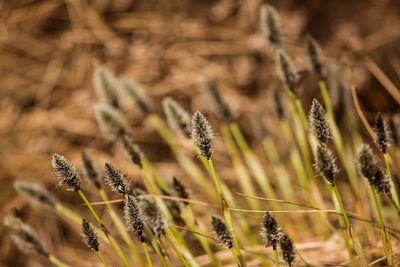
point(147, 254)
point(55, 261)
point(301, 112)
point(276, 257)
point(176, 250)
point(335, 190)
point(393, 190)
point(395, 205)
point(113, 243)
point(236, 257)
point(102, 258)
point(158, 251)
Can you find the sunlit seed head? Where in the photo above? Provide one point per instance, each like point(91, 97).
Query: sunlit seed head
point(222, 233)
point(202, 134)
point(318, 122)
point(132, 215)
point(270, 25)
point(325, 164)
point(89, 235)
point(110, 120)
point(116, 180)
point(286, 71)
point(65, 172)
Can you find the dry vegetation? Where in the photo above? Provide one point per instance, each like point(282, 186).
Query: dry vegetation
point(49, 50)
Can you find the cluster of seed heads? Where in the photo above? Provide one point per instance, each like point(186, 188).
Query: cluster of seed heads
point(288, 250)
point(105, 85)
point(110, 120)
point(65, 172)
point(271, 231)
point(319, 123)
point(325, 164)
point(34, 193)
point(132, 216)
point(215, 100)
point(116, 180)
point(180, 189)
point(89, 235)
point(178, 118)
point(221, 232)
point(315, 57)
point(132, 150)
point(152, 216)
point(135, 92)
point(383, 138)
point(90, 170)
point(369, 169)
point(202, 135)
point(270, 25)
point(286, 71)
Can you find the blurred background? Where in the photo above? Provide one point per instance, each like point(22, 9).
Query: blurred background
point(49, 50)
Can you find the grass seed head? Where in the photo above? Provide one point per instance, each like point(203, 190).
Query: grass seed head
point(315, 57)
point(34, 193)
point(288, 250)
point(110, 120)
point(270, 25)
point(383, 138)
point(132, 150)
point(202, 134)
point(319, 122)
point(105, 85)
point(325, 164)
point(135, 92)
point(178, 118)
point(216, 101)
point(116, 180)
point(271, 231)
point(132, 215)
point(367, 163)
point(286, 71)
point(89, 235)
point(65, 172)
point(152, 216)
point(382, 182)
point(90, 170)
point(180, 189)
point(222, 233)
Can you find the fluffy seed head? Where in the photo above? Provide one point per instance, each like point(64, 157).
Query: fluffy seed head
point(271, 231)
point(215, 99)
point(382, 182)
point(180, 189)
point(202, 134)
point(178, 118)
point(288, 250)
point(35, 193)
point(315, 57)
point(367, 163)
point(383, 138)
point(286, 70)
point(89, 235)
point(135, 92)
point(270, 25)
point(319, 123)
point(24, 237)
point(116, 180)
point(132, 150)
point(110, 120)
point(132, 216)
point(65, 172)
point(222, 233)
point(105, 85)
point(325, 164)
point(90, 170)
point(152, 216)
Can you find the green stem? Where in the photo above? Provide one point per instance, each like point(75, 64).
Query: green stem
point(393, 190)
point(236, 257)
point(276, 257)
point(176, 250)
point(113, 243)
point(102, 258)
point(55, 261)
point(395, 205)
point(147, 254)
point(301, 112)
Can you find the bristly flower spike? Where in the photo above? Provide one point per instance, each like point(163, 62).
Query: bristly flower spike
point(90, 170)
point(132, 216)
point(318, 122)
point(202, 134)
point(180, 190)
point(178, 118)
point(325, 164)
point(315, 57)
point(383, 138)
point(105, 85)
point(65, 172)
point(271, 231)
point(286, 71)
point(89, 235)
point(132, 150)
point(116, 180)
point(215, 100)
point(110, 120)
point(270, 25)
point(34, 193)
point(152, 216)
point(288, 250)
point(135, 92)
point(222, 233)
